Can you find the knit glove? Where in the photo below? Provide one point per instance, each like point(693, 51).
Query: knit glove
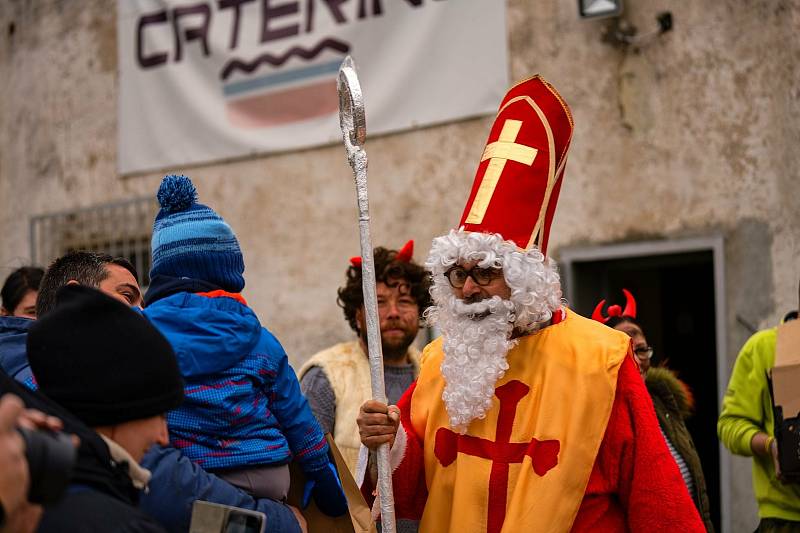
point(325, 487)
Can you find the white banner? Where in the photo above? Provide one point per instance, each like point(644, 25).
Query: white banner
point(208, 80)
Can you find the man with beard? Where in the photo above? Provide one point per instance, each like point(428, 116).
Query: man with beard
point(525, 415)
point(336, 381)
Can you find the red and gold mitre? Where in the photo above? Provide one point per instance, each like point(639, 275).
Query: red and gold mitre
point(519, 176)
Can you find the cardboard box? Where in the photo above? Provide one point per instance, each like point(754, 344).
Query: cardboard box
point(786, 399)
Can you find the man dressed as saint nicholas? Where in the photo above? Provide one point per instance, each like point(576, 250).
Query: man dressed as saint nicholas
point(526, 416)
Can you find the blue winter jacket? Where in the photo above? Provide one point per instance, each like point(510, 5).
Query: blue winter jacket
point(243, 404)
point(13, 352)
point(177, 483)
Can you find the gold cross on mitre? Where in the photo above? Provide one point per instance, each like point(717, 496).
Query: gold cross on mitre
point(502, 150)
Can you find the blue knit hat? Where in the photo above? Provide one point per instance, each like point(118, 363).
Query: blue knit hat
point(190, 240)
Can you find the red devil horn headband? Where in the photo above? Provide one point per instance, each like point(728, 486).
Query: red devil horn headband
point(615, 310)
point(404, 254)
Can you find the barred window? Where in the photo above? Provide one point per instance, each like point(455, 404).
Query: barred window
point(121, 229)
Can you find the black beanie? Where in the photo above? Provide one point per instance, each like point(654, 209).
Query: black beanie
point(101, 360)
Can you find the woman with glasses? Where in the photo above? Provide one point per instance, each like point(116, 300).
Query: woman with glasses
point(671, 397)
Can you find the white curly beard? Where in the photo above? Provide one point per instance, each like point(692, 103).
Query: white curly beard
point(475, 355)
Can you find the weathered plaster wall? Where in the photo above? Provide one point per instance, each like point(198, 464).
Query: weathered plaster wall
point(693, 134)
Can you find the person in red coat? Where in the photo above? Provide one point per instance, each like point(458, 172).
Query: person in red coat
point(525, 416)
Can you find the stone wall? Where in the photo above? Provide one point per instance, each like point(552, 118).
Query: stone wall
point(694, 133)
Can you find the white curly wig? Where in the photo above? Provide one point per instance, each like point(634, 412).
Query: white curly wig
point(475, 348)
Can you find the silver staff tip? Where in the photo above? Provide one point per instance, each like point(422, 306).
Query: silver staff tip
point(348, 63)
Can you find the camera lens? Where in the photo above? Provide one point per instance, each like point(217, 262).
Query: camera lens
point(51, 456)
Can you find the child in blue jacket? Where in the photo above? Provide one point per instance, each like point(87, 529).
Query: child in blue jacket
point(244, 417)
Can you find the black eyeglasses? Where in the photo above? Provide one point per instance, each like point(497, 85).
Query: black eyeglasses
point(457, 276)
point(644, 353)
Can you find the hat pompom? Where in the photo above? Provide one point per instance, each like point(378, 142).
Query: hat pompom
point(176, 193)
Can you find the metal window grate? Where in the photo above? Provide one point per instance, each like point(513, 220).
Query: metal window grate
point(121, 229)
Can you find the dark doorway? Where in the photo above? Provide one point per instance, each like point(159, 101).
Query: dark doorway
point(676, 308)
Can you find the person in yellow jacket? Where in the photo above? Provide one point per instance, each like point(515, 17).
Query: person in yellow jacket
point(336, 380)
point(746, 427)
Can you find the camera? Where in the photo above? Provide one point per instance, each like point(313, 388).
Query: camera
point(787, 434)
point(51, 456)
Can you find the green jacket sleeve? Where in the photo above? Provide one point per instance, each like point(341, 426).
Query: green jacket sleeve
point(747, 408)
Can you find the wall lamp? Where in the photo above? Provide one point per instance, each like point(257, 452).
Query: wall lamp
point(599, 8)
point(620, 32)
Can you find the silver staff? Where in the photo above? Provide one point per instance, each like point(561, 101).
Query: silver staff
point(354, 130)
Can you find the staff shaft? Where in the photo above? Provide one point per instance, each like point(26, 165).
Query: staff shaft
point(368, 285)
